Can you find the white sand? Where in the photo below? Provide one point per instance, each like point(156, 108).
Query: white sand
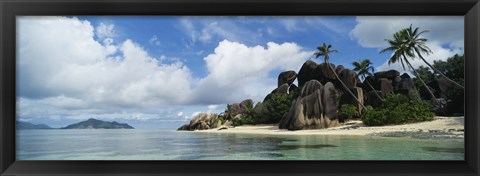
point(441, 127)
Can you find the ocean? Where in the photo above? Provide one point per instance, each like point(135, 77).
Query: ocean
point(148, 144)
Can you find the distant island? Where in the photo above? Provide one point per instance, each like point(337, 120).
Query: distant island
point(98, 124)
point(21, 125)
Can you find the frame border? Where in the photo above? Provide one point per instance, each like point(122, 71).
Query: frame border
point(9, 9)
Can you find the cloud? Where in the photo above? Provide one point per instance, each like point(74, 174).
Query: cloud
point(154, 40)
point(105, 30)
point(213, 29)
point(62, 67)
point(372, 31)
point(290, 24)
point(66, 72)
point(445, 36)
point(237, 71)
point(179, 114)
point(188, 27)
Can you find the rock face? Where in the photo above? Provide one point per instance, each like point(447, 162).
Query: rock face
point(286, 77)
point(405, 75)
point(327, 75)
point(386, 82)
point(330, 101)
point(307, 72)
point(202, 121)
point(98, 124)
point(314, 108)
point(313, 71)
point(391, 74)
point(442, 85)
point(238, 108)
point(283, 89)
point(365, 85)
point(348, 77)
point(339, 69)
point(372, 100)
point(405, 86)
point(384, 85)
point(348, 99)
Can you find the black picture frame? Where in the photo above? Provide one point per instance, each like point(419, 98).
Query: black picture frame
point(11, 8)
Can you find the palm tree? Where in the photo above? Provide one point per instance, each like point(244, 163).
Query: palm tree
point(363, 68)
point(401, 51)
point(324, 51)
point(417, 44)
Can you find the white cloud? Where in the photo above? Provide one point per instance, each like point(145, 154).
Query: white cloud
point(65, 73)
point(154, 40)
point(290, 24)
point(105, 30)
point(238, 72)
point(210, 29)
point(179, 114)
point(199, 52)
point(189, 28)
point(62, 66)
point(372, 31)
point(445, 36)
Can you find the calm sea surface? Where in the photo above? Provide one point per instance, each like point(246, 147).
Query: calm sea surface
point(139, 144)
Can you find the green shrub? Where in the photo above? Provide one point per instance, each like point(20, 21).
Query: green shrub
point(274, 108)
point(348, 111)
point(268, 112)
point(243, 121)
point(398, 109)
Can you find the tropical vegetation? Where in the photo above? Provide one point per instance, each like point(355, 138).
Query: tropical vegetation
point(325, 51)
point(398, 109)
point(363, 68)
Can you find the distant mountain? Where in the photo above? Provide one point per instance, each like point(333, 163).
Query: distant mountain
point(98, 124)
point(21, 125)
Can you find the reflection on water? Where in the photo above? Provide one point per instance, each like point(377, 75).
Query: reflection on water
point(172, 145)
point(444, 149)
point(293, 147)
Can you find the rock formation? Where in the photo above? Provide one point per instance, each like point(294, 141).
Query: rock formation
point(203, 121)
point(391, 74)
point(405, 86)
point(314, 108)
point(384, 85)
point(348, 99)
point(348, 77)
point(313, 71)
point(236, 109)
point(371, 99)
point(286, 77)
point(283, 89)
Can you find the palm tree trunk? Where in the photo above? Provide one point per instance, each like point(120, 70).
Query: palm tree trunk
point(436, 70)
point(423, 82)
point(345, 86)
point(374, 91)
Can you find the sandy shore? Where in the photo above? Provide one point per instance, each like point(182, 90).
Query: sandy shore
point(440, 127)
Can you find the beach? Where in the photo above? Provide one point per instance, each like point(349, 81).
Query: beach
point(440, 127)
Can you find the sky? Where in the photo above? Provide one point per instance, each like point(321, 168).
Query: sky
point(161, 71)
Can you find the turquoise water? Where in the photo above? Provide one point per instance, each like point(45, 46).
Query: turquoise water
point(139, 144)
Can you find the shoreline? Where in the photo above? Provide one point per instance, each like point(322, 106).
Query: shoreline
point(440, 127)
